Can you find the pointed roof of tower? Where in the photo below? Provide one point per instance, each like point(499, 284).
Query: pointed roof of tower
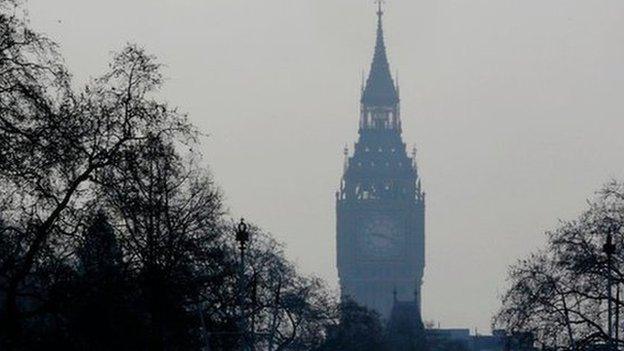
point(380, 89)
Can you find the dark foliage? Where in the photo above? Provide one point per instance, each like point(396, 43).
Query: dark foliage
point(357, 329)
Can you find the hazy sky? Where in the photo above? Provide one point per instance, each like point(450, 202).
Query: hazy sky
point(516, 106)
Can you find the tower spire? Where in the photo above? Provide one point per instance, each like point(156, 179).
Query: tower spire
point(377, 176)
point(380, 89)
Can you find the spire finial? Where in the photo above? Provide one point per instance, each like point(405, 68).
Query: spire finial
point(379, 8)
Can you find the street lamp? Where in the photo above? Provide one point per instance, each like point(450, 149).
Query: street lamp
point(242, 237)
point(610, 227)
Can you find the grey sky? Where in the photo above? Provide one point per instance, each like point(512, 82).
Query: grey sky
point(516, 106)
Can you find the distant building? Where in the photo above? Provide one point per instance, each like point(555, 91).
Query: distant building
point(380, 207)
point(500, 340)
point(437, 339)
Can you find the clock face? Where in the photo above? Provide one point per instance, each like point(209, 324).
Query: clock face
point(381, 237)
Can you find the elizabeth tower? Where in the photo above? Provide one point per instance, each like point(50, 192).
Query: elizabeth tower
point(380, 206)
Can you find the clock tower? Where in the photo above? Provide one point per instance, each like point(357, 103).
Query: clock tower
point(380, 207)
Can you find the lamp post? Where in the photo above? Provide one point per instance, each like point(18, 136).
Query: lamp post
point(242, 237)
point(609, 249)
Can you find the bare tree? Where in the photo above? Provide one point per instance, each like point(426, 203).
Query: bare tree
point(54, 142)
point(353, 327)
point(287, 310)
point(113, 146)
point(560, 293)
point(168, 213)
point(283, 309)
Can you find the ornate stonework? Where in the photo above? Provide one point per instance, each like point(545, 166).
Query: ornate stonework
point(380, 206)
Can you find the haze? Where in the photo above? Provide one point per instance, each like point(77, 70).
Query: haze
point(516, 108)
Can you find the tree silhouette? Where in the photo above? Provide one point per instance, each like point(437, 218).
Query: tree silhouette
point(559, 293)
point(55, 142)
point(112, 237)
point(356, 328)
